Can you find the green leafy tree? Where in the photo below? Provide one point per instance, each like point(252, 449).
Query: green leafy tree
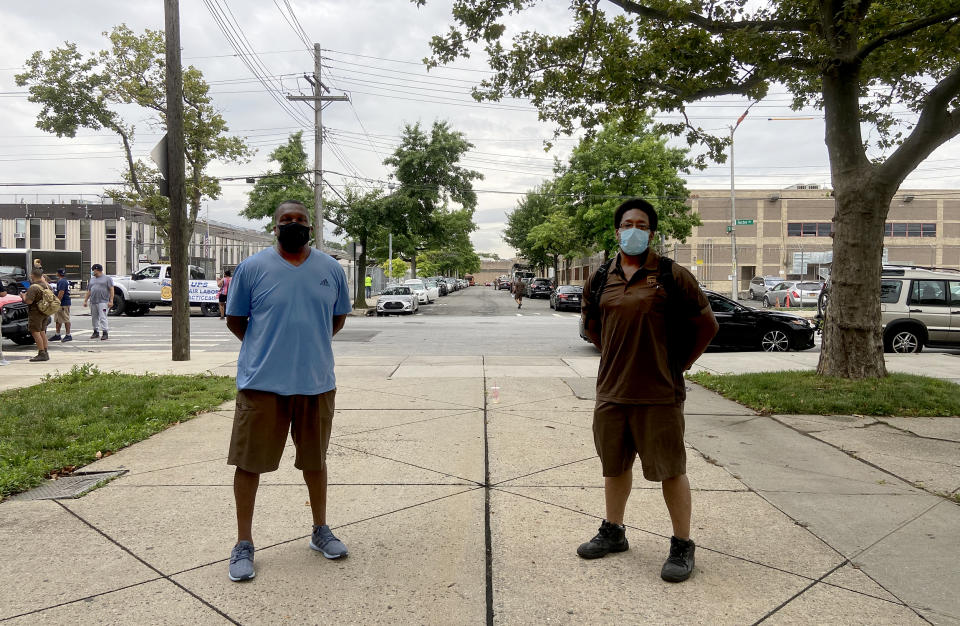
point(400, 268)
point(290, 182)
point(84, 92)
point(360, 215)
point(532, 209)
point(859, 60)
point(557, 236)
point(614, 164)
point(429, 176)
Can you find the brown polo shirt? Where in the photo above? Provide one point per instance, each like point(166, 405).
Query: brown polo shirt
point(634, 359)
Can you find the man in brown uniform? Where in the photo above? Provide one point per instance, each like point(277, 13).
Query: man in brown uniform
point(37, 321)
point(640, 387)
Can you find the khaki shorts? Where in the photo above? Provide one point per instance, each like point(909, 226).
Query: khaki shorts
point(652, 431)
point(63, 315)
point(262, 420)
point(36, 321)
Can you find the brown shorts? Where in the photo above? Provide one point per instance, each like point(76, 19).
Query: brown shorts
point(262, 420)
point(63, 315)
point(37, 322)
point(654, 431)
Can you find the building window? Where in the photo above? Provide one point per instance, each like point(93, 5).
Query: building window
point(111, 268)
point(909, 230)
point(85, 247)
point(809, 229)
point(60, 226)
point(20, 234)
point(111, 228)
point(35, 241)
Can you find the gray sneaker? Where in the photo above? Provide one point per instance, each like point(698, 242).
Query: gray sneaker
point(326, 544)
point(241, 561)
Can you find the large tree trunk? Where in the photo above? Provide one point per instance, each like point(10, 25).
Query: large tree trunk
point(852, 345)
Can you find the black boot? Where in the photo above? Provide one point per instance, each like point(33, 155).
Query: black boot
point(611, 538)
point(679, 564)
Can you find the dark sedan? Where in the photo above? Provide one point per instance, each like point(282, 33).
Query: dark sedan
point(745, 328)
point(566, 297)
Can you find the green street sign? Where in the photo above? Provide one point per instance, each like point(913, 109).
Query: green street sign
point(744, 222)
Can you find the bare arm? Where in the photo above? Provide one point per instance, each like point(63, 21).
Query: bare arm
point(338, 322)
point(705, 327)
point(111, 296)
point(238, 325)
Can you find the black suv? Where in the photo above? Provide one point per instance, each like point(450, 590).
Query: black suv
point(538, 287)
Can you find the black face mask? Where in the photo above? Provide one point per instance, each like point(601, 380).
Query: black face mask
point(293, 236)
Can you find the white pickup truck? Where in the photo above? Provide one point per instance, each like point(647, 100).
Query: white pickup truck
point(150, 287)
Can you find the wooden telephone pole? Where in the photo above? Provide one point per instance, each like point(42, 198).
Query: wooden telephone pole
point(318, 99)
point(179, 272)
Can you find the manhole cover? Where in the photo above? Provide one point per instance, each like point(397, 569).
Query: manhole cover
point(69, 486)
point(356, 335)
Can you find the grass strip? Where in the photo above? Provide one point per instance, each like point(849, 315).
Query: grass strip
point(63, 422)
point(902, 395)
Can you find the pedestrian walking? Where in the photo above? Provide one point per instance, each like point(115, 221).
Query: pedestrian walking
point(41, 303)
point(224, 285)
point(651, 321)
point(285, 305)
point(518, 288)
point(62, 317)
point(100, 297)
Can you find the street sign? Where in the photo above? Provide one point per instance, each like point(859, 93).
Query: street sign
point(744, 222)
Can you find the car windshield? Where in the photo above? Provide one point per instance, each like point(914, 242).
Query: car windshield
point(771, 282)
point(12, 269)
point(430, 284)
point(396, 291)
point(415, 284)
point(809, 286)
point(570, 289)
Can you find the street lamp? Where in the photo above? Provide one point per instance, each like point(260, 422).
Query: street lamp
point(734, 291)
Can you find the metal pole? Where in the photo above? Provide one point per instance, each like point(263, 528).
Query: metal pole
point(733, 221)
point(317, 148)
point(390, 257)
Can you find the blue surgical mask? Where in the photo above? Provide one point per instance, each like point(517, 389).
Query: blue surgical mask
point(634, 241)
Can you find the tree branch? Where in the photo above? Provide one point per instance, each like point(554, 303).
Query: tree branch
point(936, 126)
point(905, 31)
point(127, 150)
point(713, 26)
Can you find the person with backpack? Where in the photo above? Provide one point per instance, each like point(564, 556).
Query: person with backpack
point(650, 321)
point(42, 304)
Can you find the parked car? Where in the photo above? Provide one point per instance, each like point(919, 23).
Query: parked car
point(919, 307)
point(760, 285)
point(14, 316)
point(439, 286)
point(538, 287)
point(793, 293)
point(397, 299)
point(451, 284)
point(424, 294)
point(504, 282)
point(742, 327)
point(566, 297)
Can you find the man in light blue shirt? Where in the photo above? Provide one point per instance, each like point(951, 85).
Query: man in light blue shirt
point(285, 304)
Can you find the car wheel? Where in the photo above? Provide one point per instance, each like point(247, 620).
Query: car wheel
point(137, 311)
point(903, 341)
point(22, 340)
point(210, 309)
point(766, 302)
point(775, 340)
point(119, 304)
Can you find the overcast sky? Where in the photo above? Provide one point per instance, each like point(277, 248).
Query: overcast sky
point(372, 50)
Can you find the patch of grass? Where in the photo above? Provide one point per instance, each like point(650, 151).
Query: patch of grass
point(806, 393)
point(63, 422)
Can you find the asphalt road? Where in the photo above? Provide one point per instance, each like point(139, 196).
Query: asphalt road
point(478, 320)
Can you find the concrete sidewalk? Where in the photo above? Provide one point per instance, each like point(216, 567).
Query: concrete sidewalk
point(461, 506)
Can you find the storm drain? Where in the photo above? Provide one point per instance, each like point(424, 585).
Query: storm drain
point(67, 487)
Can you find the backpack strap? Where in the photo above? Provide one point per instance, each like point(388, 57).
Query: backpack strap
point(596, 288)
point(665, 276)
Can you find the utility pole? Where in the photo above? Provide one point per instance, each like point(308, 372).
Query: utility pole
point(179, 275)
point(318, 99)
point(734, 281)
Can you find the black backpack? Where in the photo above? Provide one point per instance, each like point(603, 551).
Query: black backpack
point(679, 329)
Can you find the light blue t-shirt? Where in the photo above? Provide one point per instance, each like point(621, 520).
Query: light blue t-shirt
point(287, 347)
